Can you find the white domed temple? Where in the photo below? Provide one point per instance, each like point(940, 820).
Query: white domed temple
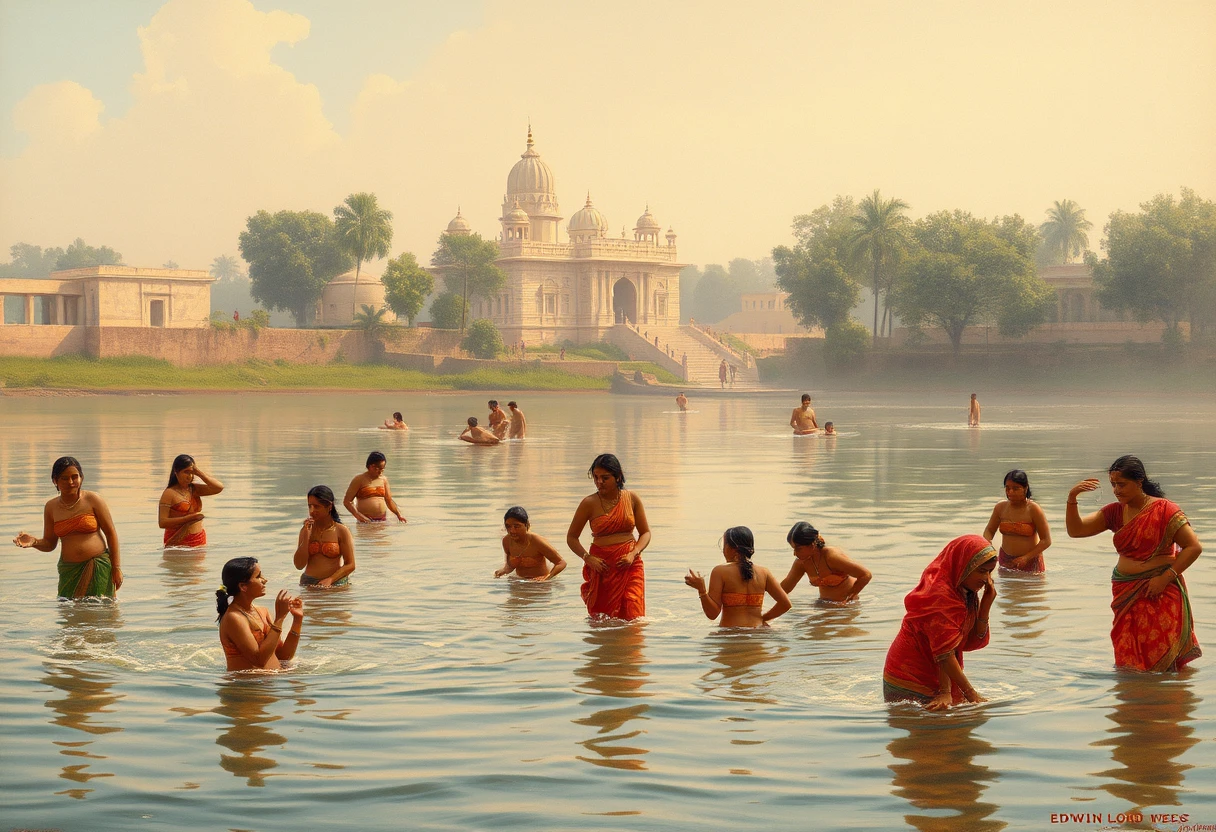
point(580, 288)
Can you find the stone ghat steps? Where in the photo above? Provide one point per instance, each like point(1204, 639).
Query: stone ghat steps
point(703, 360)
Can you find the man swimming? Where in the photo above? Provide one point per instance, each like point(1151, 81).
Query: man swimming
point(476, 435)
point(802, 420)
point(519, 425)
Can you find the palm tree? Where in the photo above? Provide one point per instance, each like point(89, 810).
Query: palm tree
point(225, 268)
point(364, 231)
point(881, 235)
point(370, 320)
point(1065, 229)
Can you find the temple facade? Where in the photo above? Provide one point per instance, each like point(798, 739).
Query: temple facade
point(579, 288)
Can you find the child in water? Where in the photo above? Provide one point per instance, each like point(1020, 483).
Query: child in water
point(526, 554)
point(829, 429)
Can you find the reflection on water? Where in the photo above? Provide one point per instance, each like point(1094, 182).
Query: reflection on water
point(941, 777)
point(184, 569)
point(327, 613)
point(1151, 730)
point(827, 620)
point(1022, 601)
point(244, 703)
point(87, 629)
point(522, 594)
point(735, 654)
point(615, 668)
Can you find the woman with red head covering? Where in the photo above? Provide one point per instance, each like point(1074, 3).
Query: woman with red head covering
point(947, 615)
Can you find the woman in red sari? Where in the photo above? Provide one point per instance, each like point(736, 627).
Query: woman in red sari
point(946, 616)
point(614, 581)
point(1153, 628)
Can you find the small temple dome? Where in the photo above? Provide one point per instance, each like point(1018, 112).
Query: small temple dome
point(530, 175)
point(647, 222)
point(516, 215)
point(459, 225)
point(587, 218)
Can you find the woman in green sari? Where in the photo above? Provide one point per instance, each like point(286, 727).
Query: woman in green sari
point(88, 560)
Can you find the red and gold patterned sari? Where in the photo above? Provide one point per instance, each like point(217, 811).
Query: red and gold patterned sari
point(620, 590)
point(940, 622)
point(177, 536)
point(1150, 633)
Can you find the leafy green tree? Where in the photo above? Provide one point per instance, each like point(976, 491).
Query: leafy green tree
point(715, 291)
point(466, 262)
point(365, 230)
point(1161, 262)
point(448, 310)
point(816, 272)
point(968, 271)
point(80, 255)
point(1064, 232)
point(845, 342)
point(370, 320)
point(226, 268)
point(291, 256)
point(30, 261)
point(880, 238)
point(406, 286)
point(483, 339)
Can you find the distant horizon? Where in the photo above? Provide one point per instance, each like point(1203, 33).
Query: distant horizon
point(158, 128)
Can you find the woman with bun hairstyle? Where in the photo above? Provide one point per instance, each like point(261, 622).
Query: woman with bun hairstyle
point(251, 641)
point(737, 588)
point(1022, 524)
point(326, 548)
point(838, 578)
point(80, 520)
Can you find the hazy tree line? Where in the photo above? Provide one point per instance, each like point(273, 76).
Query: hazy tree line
point(34, 261)
point(711, 293)
point(951, 269)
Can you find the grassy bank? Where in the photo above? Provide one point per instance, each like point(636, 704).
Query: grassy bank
point(125, 374)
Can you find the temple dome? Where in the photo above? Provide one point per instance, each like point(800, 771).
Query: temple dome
point(647, 222)
point(516, 215)
point(459, 225)
point(530, 175)
point(587, 218)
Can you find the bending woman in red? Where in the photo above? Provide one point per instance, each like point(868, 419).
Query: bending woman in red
point(946, 617)
point(614, 583)
point(180, 512)
point(1153, 628)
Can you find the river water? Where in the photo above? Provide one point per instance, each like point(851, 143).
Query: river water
point(429, 695)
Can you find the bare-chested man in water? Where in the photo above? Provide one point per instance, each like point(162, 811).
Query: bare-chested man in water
point(802, 420)
point(519, 425)
point(476, 435)
point(682, 402)
point(498, 420)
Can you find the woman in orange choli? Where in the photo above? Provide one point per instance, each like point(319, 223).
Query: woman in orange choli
point(838, 578)
point(1022, 524)
point(88, 561)
point(526, 554)
point(181, 507)
point(1154, 628)
point(737, 588)
point(326, 548)
point(368, 497)
point(244, 627)
point(614, 581)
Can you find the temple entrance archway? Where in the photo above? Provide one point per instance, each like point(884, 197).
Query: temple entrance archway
point(624, 302)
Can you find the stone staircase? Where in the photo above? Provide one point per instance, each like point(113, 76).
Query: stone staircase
point(704, 353)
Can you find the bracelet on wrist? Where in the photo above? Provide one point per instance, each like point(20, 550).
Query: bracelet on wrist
point(275, 628)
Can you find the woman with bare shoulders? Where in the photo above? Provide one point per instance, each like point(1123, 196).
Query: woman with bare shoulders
point(368, 496)
point(1154, 628)
point(251, 641)
point(526, 554)
point(180, 512)
point(614, 580)
point(88, 560)
point(737, 588)
point(326, 548)
point(838, 578)
point(1022, 524)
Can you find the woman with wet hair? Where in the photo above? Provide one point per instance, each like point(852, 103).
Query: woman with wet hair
point(838, 578)
point(526, 554)
point(326, 548)
point(1022, 524)
point(368, 496)
point(80, 520)
point(1154, 628)
point(180, 512)
point(245, 628)
point(614, 580)
point(737, 588)
point(947, 615)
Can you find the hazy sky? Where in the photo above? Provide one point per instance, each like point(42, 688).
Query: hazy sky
point(158, 127)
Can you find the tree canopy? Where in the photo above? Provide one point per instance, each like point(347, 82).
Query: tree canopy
point(81, 255)
point(364, 230)
point(466, 262)
point(448, 310)
point(880, 238)
point(712, 293)
point(406, 286)
point(1161, 261)
point(815, 272)
point(483, 339)
point(1064, 232)
point(965, 270)
point(34, 261)
point(291, 256)
point(226, 268)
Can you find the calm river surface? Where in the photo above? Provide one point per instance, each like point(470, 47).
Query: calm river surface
point(429, 695)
